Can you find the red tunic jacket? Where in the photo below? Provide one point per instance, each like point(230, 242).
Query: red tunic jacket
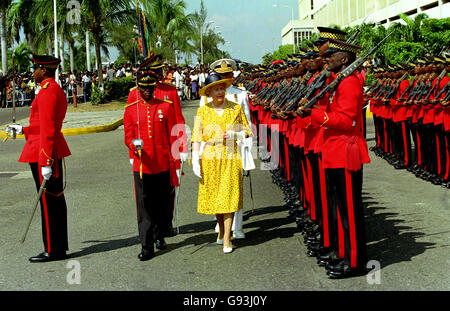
point(168, 92)
point(160, 148)
point(344, 145)
point(44, 140)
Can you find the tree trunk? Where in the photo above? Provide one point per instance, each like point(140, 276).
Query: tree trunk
point(88, 52)
point(99, 60)
point(3, 40)
point(61, 53)
point(71, 56)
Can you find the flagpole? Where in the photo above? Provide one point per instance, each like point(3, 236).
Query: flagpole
point(56, 39)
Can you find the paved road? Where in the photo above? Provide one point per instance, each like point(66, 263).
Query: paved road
point(407, 231)
point(6, 114)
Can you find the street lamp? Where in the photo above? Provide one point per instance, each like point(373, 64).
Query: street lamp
point(292, 22)
point(201, 38)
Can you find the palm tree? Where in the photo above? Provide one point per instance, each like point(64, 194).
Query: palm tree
point(205, 36)
point(3, 30)
point(97, 13)
point(21, 15)
point(22, 55)
point(166, 19)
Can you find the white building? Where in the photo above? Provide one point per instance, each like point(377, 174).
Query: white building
point(313, 13)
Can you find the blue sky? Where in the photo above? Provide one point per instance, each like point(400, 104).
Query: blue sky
point(253, 27)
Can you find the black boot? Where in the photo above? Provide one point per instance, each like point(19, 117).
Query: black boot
point(146, 253)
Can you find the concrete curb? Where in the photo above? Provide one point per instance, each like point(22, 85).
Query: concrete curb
point(82, 130)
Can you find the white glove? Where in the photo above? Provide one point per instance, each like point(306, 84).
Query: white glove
point(178, 173)
point(14, 127)
point(236, 135)
point(131, 161)
point(46, 172)
point(184, 156)
point(138, 143)
point(196, 163)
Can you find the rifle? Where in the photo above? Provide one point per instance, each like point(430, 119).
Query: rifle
point(443, 90)
point(344, 74)
point(423, 87)
point(374, 87)
point(294, 91)
point(383, 89)
point(353, 37)
point(446, 97)
point(435, 86)
point(416, 87)
point(393, 90)
point(408, 89)
point(293, 101)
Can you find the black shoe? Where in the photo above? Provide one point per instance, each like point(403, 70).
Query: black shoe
point(46, 257)
point(335, 266)
point(160, 244)
point(346, 272)
point(146, 254)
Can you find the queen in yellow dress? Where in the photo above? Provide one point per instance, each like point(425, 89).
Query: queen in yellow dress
point(219, 124)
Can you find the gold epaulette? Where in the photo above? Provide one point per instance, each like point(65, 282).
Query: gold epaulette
point(133, 88)
point(131, 104)
point(45, 85)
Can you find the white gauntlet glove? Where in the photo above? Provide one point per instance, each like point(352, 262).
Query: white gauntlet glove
point(196, 163)
point(138, 143)
point(184, 156)
point(14, 127)
point(46, 172)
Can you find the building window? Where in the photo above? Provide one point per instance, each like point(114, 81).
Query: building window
point(299, 36)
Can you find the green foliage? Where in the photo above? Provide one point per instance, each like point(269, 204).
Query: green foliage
point(436, 34)
point(97, 96)
point(118, 87)
point(412, 38)
point(395, 52)
point(283, 52)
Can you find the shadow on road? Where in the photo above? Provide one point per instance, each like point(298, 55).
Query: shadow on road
point(265, 228)
point(389, 240)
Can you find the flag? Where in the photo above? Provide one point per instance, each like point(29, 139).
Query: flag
point(142, 40)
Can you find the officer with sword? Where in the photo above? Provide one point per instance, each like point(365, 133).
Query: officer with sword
point(45, 149)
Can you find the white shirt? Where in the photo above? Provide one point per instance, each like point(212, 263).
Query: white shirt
point(201, 79)
point(178, 80)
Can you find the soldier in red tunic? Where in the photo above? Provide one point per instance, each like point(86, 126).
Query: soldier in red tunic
point(153, 64)
point(148, 124)
point(45, 148)
point(344, 151)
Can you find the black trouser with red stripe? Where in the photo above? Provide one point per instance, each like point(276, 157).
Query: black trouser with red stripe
point(53, 210)
point(345, 197)
point(152, 202)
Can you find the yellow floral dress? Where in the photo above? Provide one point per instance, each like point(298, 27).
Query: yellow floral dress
point(220, 189)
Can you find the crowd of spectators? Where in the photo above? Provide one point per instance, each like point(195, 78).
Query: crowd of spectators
point(77, 84)
point(188, 81)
